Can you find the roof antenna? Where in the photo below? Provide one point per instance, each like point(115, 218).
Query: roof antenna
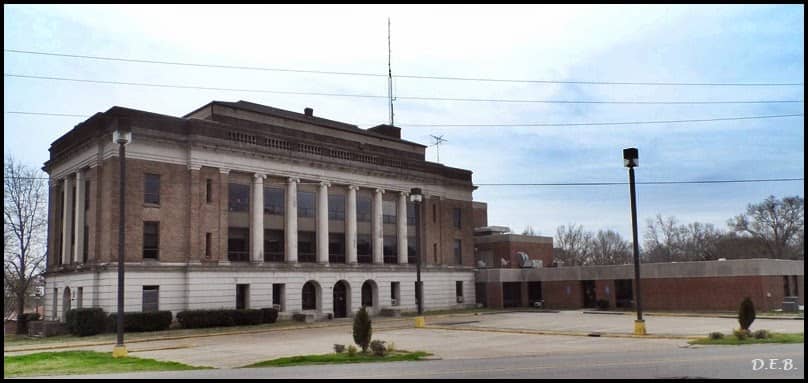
point(438, 140)
point(389, 74)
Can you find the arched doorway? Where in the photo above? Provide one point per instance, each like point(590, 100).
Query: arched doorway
point(310, 297)
point(370, 293)
point(65, 303)
point(342, 299)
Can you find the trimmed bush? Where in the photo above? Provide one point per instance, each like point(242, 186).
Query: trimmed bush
point(248, 317)
point(362, 329)
point(205, 318)
point(141, 321)
point(746, 314)
point(716, 335)
point(352, 350)
point(339, 348)
point(377, 346)
point(22, 322)
point(86, 321)
point(270, 315)
point(762, 334)
point(741, 334)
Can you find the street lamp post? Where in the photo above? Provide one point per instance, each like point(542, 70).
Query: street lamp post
point(122, 136)
point(415, 198)
point(631, 159)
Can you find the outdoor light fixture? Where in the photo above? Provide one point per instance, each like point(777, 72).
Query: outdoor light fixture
point(415, 198)
point(121, 136)
point(631, 159)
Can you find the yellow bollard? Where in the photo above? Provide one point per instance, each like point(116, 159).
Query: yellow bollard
point(119, 352)
point(639, 327)
point(419, 322)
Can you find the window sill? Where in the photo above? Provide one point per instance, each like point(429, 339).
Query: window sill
point(152, 205)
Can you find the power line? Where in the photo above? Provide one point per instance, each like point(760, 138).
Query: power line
point(528, 124)
point(606, 123)
point(416, 98)
point(421, 77)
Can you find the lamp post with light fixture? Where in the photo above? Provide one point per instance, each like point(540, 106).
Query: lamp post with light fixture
point(415, 198)
point(631, 159)
point(121, 136)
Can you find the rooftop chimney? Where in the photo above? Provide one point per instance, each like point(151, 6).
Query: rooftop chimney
point(309, 112)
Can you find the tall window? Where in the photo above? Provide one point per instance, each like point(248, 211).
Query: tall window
point(456, 218)
point(390, 249)
point(412, 250)
point(395, 293)
point(364, 253)
point(208, 242)
point(306, 246)
point(410, 213)
point(389, 211)
point(336, 207)
point(151, 240)
point(306, 205)
point(336, 248)
point(363, 208)
point(237, 244)
point(208, 190)
point(278, 296)
point(458, 254)
point(86, 195)
point(273, 245)
point(86, 251)
point(459, 288)
point(434, 213)
point(151, 189)
point(238, 197)
point(242, 296)
point(273, 201)
point(151, 298)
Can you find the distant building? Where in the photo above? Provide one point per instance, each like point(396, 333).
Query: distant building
point(518, 271)
point(240, 205)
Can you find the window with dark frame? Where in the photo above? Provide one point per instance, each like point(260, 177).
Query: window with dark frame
point(336, 207)
point(238, 197)
point(306, 246)
point(364, 253)
point(273, 245)
point(277, 296)
point(208, 190)
point(459, 288)
point(435, 253)
point(336, 248)
point(151, 298)
point(390, 249)
point(309, 296)
point(273, 201)
point(410, 213)
point(207, 244)
point(151, 188)
point(412, 250)
point(458, 252)
point(363, 208)
point(238, 239)
point(87, 195)
point(306, 204)
point(456, 216)
point(86, 250)
point(151, 240)
point(395, 293)
point(388, 211)
point(434, 213)
point(242, 296)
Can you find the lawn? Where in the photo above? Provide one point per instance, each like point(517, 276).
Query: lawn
point(395, 356)
point(82, 362)
point(730, 339)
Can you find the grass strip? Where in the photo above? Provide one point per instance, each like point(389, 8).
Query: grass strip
point(300, 360)
point(732, 340)
point(82, 362)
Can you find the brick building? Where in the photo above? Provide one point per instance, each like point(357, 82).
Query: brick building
point(240, 205)
point(686, 286)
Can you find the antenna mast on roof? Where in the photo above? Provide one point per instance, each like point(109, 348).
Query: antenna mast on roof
point(389, 73)
point(438, 140)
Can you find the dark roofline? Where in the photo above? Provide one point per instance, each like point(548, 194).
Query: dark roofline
point(300, 117)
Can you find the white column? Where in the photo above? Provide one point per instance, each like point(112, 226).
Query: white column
point(401, 227)
point(322, 223)
point(78, 248)
point(290, 226)
point(350, 227)
point(67, 220)
point(378, 228)
point(257, 219)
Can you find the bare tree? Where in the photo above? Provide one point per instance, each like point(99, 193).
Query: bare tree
point(24, 228)
point(529, 231)
point(663, 240)
point(608, 248)
point(574, 245)
point(778, 223)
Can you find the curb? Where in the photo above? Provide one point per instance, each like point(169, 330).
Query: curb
point(563, 333)
point(243, 332)
point(726, 316)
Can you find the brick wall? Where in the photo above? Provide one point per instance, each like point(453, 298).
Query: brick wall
point(562, 294)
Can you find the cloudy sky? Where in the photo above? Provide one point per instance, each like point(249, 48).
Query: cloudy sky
point(567, 44)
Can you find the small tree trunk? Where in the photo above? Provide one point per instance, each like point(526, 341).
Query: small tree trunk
point(21, 326)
